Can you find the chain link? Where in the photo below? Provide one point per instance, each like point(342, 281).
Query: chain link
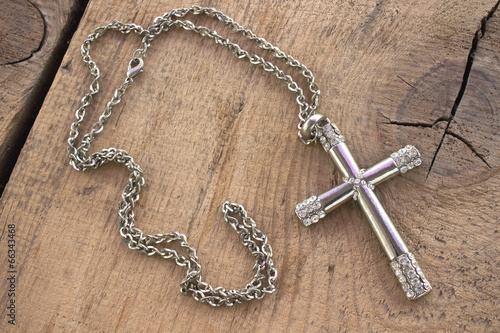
point(264, 280)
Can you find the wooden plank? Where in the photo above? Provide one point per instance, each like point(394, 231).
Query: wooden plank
point(207, 127)
point(33, 40)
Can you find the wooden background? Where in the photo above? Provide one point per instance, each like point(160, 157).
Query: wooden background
point(207, 127)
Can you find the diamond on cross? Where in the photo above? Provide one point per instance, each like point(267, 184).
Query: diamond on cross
point(359, 185)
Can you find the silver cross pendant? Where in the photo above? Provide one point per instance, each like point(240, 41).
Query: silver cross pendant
point(359, 185)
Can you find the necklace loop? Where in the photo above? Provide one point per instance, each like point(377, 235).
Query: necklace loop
point(264, 280)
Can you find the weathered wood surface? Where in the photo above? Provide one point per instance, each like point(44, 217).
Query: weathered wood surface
point(32, 38)
point(207, 127)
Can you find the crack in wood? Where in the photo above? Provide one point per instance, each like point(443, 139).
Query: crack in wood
point(479, 34)
point(447, 131)
point(471, 147)
point(417, 124)
point(470, 60)
point(408, 83)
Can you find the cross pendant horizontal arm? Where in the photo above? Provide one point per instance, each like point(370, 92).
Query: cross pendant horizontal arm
point(359, 184)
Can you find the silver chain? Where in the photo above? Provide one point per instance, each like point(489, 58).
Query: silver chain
point(264, 280)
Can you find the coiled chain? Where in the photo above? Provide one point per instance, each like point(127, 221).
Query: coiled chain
point(264, 280)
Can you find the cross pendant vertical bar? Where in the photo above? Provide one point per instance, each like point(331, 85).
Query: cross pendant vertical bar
point(359, 185)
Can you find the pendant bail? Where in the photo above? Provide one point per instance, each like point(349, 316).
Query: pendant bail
point(307, 132)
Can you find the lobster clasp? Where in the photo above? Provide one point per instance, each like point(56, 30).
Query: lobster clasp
point(135, 67)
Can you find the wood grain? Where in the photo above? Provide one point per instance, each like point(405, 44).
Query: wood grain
point(32, 43)
point(22, 30)
point(207, 127)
